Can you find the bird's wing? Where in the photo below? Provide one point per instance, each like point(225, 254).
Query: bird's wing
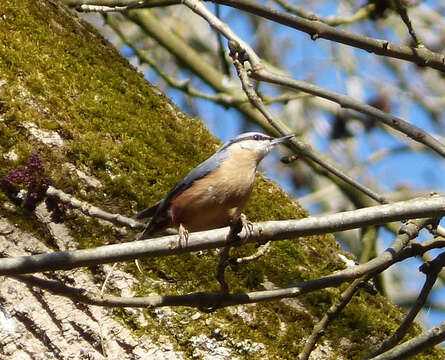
point(148, 212)
point(199, 172)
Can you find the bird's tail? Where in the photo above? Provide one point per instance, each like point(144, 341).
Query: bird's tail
point(160, 220)
point(158, 223)
point(146, 234)
point(148, 212)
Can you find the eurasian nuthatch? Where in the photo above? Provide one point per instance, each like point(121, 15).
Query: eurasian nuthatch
point(214, 193)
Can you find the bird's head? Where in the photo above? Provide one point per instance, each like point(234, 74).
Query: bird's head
point(253, 144)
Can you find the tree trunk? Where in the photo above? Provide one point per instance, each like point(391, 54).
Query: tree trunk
point(107, 136)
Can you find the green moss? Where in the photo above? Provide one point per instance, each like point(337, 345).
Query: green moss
point(67, 78)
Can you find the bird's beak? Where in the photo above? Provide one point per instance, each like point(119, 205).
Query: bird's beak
point(281, 139)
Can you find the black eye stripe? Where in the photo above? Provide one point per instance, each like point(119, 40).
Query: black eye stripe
point(255, 137)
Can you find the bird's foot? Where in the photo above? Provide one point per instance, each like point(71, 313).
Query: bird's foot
point(237, 226)
point(248, 225)
point(183, 235)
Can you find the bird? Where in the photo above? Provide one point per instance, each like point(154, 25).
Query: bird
point(215, 192)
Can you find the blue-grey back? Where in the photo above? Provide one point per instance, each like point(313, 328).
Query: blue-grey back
point(199, 172)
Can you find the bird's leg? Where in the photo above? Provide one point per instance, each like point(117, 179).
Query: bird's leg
point(183, 235)
point(235, 228)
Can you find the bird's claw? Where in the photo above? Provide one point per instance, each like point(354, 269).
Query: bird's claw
point(183, 235)
point(237, 227)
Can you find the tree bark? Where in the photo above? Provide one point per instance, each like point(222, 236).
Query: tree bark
point(107, 136)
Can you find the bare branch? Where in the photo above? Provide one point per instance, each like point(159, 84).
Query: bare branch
point(424, 341)
point(346, 101)
point(396, 252)
point(361, 14)
point(93, 211)
point(297, 145)
point(313, 25)
point(263, 231)
point(431, 269)
point(317, 29)
point(332, 313)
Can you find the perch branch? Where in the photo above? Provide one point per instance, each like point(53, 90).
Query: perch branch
point(263, 231)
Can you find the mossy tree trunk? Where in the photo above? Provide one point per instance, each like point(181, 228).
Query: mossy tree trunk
point(107, 136)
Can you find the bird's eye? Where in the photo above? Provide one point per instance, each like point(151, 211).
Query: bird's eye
point(256, 137)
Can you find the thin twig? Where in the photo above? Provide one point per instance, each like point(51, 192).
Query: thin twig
point(107, 277)
point(222, 264)
point(411, 347)
point(428, 258)
point(336, 20)
point(262, 250)
point(302, 148)
point(431, 269)
point(221, 48)
point(335, 309)
point(91, 210)
point(104, 6)
point(403, 12)
point(317, 29)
